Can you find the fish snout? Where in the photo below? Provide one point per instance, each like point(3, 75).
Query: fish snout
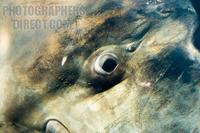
point(55, 126)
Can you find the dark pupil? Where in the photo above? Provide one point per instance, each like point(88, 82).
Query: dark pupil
point(109, 65)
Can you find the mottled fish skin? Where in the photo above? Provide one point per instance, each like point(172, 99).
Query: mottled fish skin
point(54, 81)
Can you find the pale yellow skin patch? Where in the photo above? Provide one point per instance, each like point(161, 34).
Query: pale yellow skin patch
point(141, 102)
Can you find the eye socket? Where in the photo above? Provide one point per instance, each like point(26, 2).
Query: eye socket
point(106, 64)
point(104, 68)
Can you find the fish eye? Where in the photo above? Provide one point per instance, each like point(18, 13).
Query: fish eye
point(106, 64)
point(104, 69)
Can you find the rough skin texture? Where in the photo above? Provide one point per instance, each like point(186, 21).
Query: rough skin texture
point(155, 89)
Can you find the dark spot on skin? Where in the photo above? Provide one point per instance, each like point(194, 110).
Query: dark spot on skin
point(196, 37)
point(23, 109)
point(109, 5)
point(171, 65)
point(103, 85)
point(65, 76)
point(193, 90)
point(63, 79)
point(181, 65)
point(118, 28)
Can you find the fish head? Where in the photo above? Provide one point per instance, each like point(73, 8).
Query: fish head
point(124, 66)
